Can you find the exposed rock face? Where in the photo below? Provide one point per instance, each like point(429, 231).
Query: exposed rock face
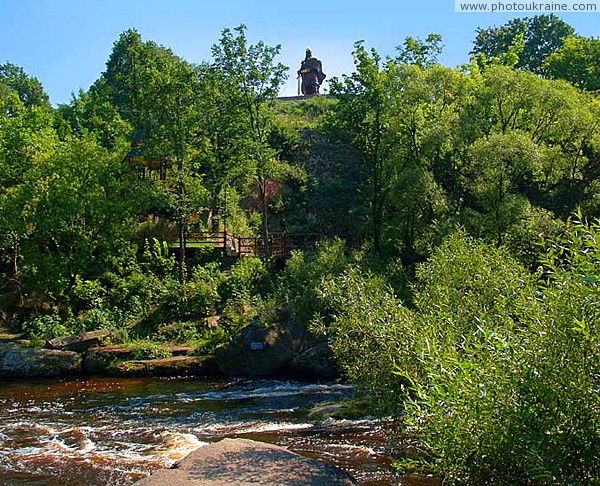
point(315, 362)
point(79, 342)
point(287, 348)
point(29, 362)
point(98, 360)
point(245, 462)
point(174, 366)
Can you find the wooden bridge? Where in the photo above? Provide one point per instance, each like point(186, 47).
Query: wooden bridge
point(278, 245)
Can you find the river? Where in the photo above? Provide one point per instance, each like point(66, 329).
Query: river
point(110, 431)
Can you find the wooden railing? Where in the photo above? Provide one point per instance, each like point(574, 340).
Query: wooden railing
point(278, 244)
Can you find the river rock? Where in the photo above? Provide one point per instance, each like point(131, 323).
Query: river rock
point(79, 342)
point(315, 362)
point(99, 359)
point(246, 462)
point(17, 362)
point(258, 351)
point(174, 366)
point(287, 348)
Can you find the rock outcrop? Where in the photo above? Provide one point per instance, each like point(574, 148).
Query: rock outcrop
point(245, 462)
point(98, 360)
point(79, 342)
point(284, 349)
point(174, 366)
point(16, 362)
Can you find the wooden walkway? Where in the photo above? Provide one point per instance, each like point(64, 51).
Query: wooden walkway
point(279, 245)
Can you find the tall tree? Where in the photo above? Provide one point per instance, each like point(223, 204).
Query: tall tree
point(255, 78)
point(173, 92)
point(577, 61)
point(542, 35)
point(29, 89)
point(362, 119)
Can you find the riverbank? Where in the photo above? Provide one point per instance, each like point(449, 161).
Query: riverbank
point(258, 352)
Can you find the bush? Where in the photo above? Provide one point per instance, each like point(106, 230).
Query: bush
point(514, 399)
point(370, 334)
point(145, 349)
point(248, 277)
point(40, 327)
point(298, 285)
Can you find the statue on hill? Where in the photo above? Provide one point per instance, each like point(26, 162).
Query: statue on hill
point(311, 71)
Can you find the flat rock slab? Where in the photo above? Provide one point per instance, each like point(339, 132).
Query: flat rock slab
point(174, 366)
point(98, 360)
point(79, 342)
point(18, 362)
point(246, 462)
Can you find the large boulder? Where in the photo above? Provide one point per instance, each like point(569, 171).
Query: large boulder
point(258, 351)
point(246, 462)
point(315, 362)
point(18, 362)
point(79, 342)
point(287, 348)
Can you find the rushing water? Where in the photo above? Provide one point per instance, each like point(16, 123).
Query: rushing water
point(108, 431)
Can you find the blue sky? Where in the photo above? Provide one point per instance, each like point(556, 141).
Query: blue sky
point(65, 43)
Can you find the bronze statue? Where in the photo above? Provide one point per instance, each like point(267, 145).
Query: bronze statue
point(311, 71)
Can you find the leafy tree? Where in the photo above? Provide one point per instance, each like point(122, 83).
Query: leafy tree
point(123, 82)
point(28, 89)
point(542, 35)
point(223, 157)
point(362, 119)
point(88, 114)
point(254, 78)
point(420, 53)
point(577, 61)
point(173, 87)
point(72, 216)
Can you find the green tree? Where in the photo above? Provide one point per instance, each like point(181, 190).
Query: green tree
point(72, 216)
point(173, 87)
point(361, 119)
point(89, 114)
point(542, 35)
point(29, 90)
point(223, 154)
point(254, 78)
point(577, 61)
point(420, 53)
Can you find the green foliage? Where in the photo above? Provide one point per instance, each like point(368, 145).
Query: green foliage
point(577, 61)
point(421, 53)
point(40, 327)
point(369, 333)
point(202, 291)
point(145, 349)
point(28, 89)
point(248, 277)
point(542, 35)
point(497, 371)
point(521, 404)
point(299, 284)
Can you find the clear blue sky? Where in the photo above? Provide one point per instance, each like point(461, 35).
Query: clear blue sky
point(65, 43)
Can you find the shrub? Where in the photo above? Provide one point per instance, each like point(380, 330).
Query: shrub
point(248, 277)
point(369, 333)
point(46, 326)
point(515, 398)
point(145, 349)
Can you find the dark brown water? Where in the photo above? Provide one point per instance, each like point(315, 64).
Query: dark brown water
point(107, 431)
